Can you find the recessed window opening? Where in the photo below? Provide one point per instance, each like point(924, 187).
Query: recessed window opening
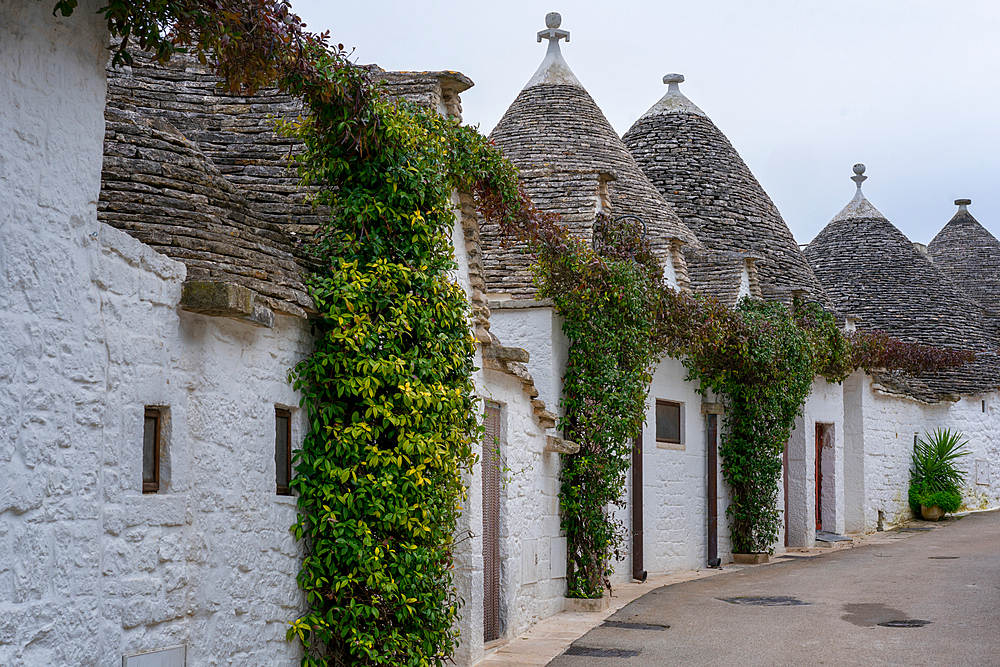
point(604, 192)
point(283, 451)
point(668, 422)
point(152, 434)
point(984, 405)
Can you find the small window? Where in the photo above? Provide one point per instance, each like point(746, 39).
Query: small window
point(151, 435)
point(283, 451)
point(668, 422)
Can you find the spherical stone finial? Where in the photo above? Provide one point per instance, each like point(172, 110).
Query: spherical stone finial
point(673, 78)
point(859, 169)
point(962, 202)
point(553, 20)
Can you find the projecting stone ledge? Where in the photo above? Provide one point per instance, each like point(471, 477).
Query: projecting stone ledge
point(220, 299)
point(556, 444)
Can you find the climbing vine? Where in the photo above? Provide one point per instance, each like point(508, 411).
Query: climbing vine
point(608, 306)
point(387, 389)
point(760, 358)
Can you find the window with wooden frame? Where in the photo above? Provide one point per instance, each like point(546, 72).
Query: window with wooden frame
point(668, 422)
point(283, 451)
point(152, 434)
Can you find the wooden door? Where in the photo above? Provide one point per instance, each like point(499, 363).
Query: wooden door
point(820, 439)
point(491, 523)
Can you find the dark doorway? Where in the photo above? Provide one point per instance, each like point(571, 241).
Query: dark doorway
point(638, 569)
point(823, 433)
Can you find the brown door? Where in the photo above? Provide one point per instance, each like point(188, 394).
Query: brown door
point(638, 570)
point(820, 438)
point(491, 524)
point(784, 481)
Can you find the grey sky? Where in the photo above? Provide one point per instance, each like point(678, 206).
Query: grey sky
point(802, 89)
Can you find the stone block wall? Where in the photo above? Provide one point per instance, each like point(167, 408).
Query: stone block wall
point(91, 568)
point(824, 405)
point(888, 425)
point(675, 483)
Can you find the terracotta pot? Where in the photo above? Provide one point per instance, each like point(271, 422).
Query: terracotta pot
point(750, 559)
point(932, 513)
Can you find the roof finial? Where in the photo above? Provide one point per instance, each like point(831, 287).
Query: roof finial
point(859, 175)
point(673, 81)
point(962, 203)
point(552, 33)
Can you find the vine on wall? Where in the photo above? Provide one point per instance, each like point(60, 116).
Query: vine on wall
point(387, 389)
point(760, 358)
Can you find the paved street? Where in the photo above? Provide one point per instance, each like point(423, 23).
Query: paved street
point(948, 575)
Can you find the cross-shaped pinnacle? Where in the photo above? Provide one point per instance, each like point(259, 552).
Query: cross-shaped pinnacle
point(552, 32)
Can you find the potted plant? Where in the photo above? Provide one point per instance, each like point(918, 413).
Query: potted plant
point(935, 477)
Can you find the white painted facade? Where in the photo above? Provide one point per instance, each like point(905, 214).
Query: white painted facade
point(825, 406)
point(533, 550)
point(675, 481)
point(881, 427)
point(537, 329)
point(92, 569)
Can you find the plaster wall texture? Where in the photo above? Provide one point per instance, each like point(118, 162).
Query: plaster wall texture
point(98, 567)
point(539, 331)
point(675, 479)
point(468, 550)
point(532, 548)
point(824, 405)
point(91, 568)
point(888, 426)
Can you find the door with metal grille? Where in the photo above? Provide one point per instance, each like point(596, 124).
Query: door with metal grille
point(492, 444)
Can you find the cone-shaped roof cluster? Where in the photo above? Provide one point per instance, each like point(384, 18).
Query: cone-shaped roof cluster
point(568, 154)
point(696, 169)
point(968, 254)
point(871, 270)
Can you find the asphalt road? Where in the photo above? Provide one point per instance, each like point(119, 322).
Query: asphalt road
point(949, 576)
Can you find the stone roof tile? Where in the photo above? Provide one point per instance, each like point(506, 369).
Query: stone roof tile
point(564, 147)
point(871, 270)
point(968, 254)
point(696, 169)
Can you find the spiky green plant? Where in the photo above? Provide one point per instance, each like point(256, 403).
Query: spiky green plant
point(935, 470)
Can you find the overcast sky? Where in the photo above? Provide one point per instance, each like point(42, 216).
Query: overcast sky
point(803, 89)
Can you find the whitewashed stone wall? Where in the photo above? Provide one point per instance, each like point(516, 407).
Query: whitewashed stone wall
point(825, 405)
point(208, 561)
point(537, 329)
point(532, 548)
point(91, 568)
point(885, 425)
point(675, 483)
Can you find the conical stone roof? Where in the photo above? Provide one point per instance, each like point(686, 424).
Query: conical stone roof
point(696, 169)
point(567, 153)
point(970, 256)
point(871, 270)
